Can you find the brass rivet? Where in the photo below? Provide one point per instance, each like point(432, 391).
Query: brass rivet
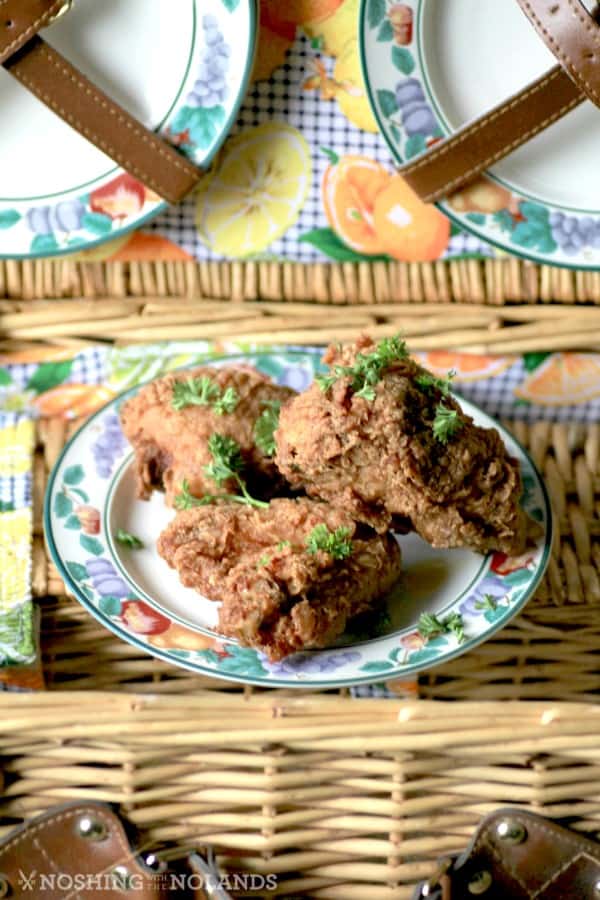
point(92, 829)
point(4, 886)
point(152, 862)
point(510, 831)
point(479, 883)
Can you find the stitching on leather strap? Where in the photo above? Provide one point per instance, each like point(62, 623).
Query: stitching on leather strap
point(102, 145)
point(562, 869)
point(564, 57)
point(154, 143)
point(499, 154)
point(481, 123)
point(33, 29)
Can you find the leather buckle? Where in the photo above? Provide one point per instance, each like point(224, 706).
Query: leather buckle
point(65, 8)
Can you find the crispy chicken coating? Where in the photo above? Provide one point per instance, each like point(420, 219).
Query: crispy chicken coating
point(171, 444)
point(275, 594)
point(382, 458)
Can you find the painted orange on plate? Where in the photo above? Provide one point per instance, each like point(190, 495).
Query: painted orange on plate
point(350, 188)
point(70, 401)
point(409, 230)
point(563, 378)
point(183, 639)
point(468, 366)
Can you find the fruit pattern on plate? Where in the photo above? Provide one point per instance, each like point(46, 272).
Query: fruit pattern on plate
point(404, 102)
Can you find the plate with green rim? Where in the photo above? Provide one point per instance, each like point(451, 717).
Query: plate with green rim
point(430, 67)
point(133, 593)
point(180, 68)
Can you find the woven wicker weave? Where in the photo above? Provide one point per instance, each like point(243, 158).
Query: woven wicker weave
point(340, 797)
point(467, 304)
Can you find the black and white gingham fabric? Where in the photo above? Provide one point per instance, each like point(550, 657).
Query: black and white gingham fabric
point(323, 125)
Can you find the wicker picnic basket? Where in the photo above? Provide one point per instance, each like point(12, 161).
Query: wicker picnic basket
point(339, 796)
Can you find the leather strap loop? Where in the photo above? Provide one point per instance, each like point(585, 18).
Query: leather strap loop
point(570, 32)
point(20, 20)
point(461, 158)
point(99, 119)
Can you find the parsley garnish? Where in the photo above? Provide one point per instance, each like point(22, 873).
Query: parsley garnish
point(185, 500)
point(128, 540)
point(428, 382)
point(283, 544)
point(226, 403)
point(227, 459)
point(367, 369)
point(430, 626)
point(263, 561)
point(203, 392)
point(265, 425)
point(336, 543)
point(446, 423)
point(227, 463)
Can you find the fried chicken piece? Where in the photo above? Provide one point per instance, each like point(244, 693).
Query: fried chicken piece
point(171, 445)
point(276, 595)
point(379, 458)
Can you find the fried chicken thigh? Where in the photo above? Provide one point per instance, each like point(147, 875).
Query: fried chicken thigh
point(171, 444)
point(382, 458)
point(276, 595)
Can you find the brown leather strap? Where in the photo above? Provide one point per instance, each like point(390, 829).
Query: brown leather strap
point(461, 158)
point(572, 34)
point(521, 855)
point(93, 114)
point(78, 850)
point(20, 20)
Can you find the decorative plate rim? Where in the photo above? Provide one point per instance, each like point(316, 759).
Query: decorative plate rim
point(118, 170)
point(399, 672)
point(461, 220)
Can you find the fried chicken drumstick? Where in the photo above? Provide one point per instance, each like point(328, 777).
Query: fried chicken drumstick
point(289, 576)
point(386, 441)
point(170, 421)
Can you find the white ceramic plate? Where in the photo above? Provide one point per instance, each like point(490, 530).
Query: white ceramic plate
point(137, 596)
point(179, 66)
point(453, 61)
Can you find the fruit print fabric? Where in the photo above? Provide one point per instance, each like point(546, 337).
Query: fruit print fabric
point(307, 83)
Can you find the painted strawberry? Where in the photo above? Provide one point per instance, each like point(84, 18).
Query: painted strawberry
point(142, 619)
point(120, 198)
point(504, 565)
point(89, 518)
point(401, 19)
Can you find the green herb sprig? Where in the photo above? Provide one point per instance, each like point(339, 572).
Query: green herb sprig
point(367, 369)
point(128, 540)
point(430, 626)
point(227, 463)
point(446, 423)
point(336, 543)
point(429, 383)
point(265, 426)
point(203, 392)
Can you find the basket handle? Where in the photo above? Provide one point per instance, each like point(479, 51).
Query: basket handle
point(573, 35)
point(72, 96)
